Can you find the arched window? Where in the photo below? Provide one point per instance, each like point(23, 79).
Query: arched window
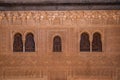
point(17, 44)
point(57, 44)
point(97, 43)
point(29, 43)
point(84, 42)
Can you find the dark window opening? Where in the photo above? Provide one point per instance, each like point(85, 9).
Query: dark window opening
point(84, 42)
point(96, 43)
point(57, 45)
point(18, 44)
point(29, 43)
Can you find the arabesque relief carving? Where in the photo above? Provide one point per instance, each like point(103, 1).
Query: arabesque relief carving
point(60, 17)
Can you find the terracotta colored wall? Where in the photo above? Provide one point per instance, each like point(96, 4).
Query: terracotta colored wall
point(70, 63)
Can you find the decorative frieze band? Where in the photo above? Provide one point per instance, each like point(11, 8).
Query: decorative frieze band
point(60, 17)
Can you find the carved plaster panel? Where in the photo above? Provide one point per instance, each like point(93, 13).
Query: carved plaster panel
point(60, 17)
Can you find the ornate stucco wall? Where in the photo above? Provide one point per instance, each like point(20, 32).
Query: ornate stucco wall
point(70, 64)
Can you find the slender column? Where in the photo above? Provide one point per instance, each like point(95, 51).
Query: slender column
point(23, 43)
point(90, 38)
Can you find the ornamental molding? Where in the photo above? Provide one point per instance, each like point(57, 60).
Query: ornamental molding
point(107, 17)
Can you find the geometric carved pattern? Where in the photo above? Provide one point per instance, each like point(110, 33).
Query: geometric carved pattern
point(96, 43)
point(57, 44)
point(18, 44)
point(84, 42)
point(60, 17)
point(29, 43)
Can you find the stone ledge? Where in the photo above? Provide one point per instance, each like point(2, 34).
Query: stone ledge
point(59, 1)
point(59, 6)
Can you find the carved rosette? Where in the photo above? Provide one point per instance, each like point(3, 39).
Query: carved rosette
point(60, 17)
